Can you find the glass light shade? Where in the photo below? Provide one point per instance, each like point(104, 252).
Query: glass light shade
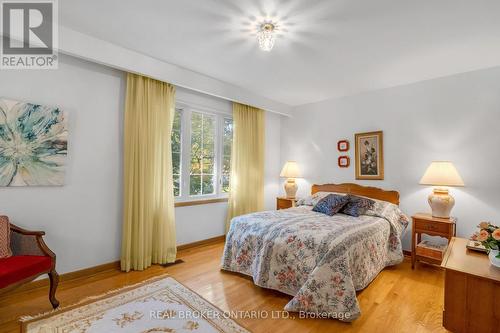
point(266, 36)
point(442, 173)
point(290, 170)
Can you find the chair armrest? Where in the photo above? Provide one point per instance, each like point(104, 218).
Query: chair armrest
point(26, 242)
point(15, 228)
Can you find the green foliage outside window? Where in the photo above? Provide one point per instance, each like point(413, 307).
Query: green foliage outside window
point(202, 154)
point(202, 164)
point(227, 143)
point(176, 152)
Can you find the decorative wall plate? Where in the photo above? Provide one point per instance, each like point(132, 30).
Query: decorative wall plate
point(343, 145)
point(344, 161)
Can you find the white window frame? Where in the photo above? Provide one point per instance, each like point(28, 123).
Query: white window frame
point(181, 152)
point(187, 111)
point(221, 153)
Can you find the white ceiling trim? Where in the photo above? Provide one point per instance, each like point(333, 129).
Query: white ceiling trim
point(92, 49)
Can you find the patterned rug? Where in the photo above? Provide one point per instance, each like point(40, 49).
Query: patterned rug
point(158, 305)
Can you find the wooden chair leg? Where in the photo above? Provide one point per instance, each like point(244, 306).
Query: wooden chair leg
point(54, 281)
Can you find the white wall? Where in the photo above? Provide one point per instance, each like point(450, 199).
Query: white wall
point(272, 160)
point(83, 218)
point(455, 118)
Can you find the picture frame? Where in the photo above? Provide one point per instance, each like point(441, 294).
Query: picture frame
point(369, 155)
point(343, 145)
point(343, 161)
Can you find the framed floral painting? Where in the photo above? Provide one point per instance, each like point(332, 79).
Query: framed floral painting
point(369, 155)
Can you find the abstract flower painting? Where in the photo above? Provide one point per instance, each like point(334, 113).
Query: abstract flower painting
point(33, 144)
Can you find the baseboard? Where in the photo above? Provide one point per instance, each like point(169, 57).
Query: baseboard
point(407, 253)
point(176, 262)
point(87, 272)
point(203, 242)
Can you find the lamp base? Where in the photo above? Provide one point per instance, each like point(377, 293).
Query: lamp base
point(291, 188)
point(441, 203)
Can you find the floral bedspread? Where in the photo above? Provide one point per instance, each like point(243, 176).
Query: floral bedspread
point(321, 260)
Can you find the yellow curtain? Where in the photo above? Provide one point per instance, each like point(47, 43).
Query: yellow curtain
point(148, 207)
point(247, 162)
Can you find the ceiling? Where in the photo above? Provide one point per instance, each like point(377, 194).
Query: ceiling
point(326, 48)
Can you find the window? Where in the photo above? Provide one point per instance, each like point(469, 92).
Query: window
point(176, 152)
point(201, 177)
point(201, 154)
point(227, 143)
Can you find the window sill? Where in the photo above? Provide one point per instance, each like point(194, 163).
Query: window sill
point(199, 202)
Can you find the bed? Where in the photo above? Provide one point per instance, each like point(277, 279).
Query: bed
point(318, 259)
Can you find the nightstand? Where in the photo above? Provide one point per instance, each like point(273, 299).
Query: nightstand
point(424, 223)
point(284, 203)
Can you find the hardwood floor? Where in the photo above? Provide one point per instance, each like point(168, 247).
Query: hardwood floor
point(398, 300)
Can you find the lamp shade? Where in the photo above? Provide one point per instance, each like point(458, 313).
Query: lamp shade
point(290, 170)
point(442, 173)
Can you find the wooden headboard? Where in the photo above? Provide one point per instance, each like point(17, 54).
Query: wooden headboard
point(366, 191)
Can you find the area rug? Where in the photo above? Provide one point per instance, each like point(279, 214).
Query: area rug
point(157, 305)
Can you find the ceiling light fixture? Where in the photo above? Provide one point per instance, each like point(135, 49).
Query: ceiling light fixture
point(266, 36)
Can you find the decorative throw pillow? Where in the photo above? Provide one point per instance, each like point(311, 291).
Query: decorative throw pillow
point(5, 251)
point(331, 204)
point(357, 205)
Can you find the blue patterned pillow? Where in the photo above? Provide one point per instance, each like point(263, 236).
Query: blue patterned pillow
point(331, 204)
point(357, 205)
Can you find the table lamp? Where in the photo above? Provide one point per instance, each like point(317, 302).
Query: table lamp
point(291, 171)
point(441, 173)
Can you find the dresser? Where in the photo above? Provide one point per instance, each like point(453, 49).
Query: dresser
point(471, 290)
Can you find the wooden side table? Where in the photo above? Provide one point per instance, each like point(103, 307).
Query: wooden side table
point(424, 223)
point(284, 203)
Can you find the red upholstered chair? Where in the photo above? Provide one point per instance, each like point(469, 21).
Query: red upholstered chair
point(30, 258)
